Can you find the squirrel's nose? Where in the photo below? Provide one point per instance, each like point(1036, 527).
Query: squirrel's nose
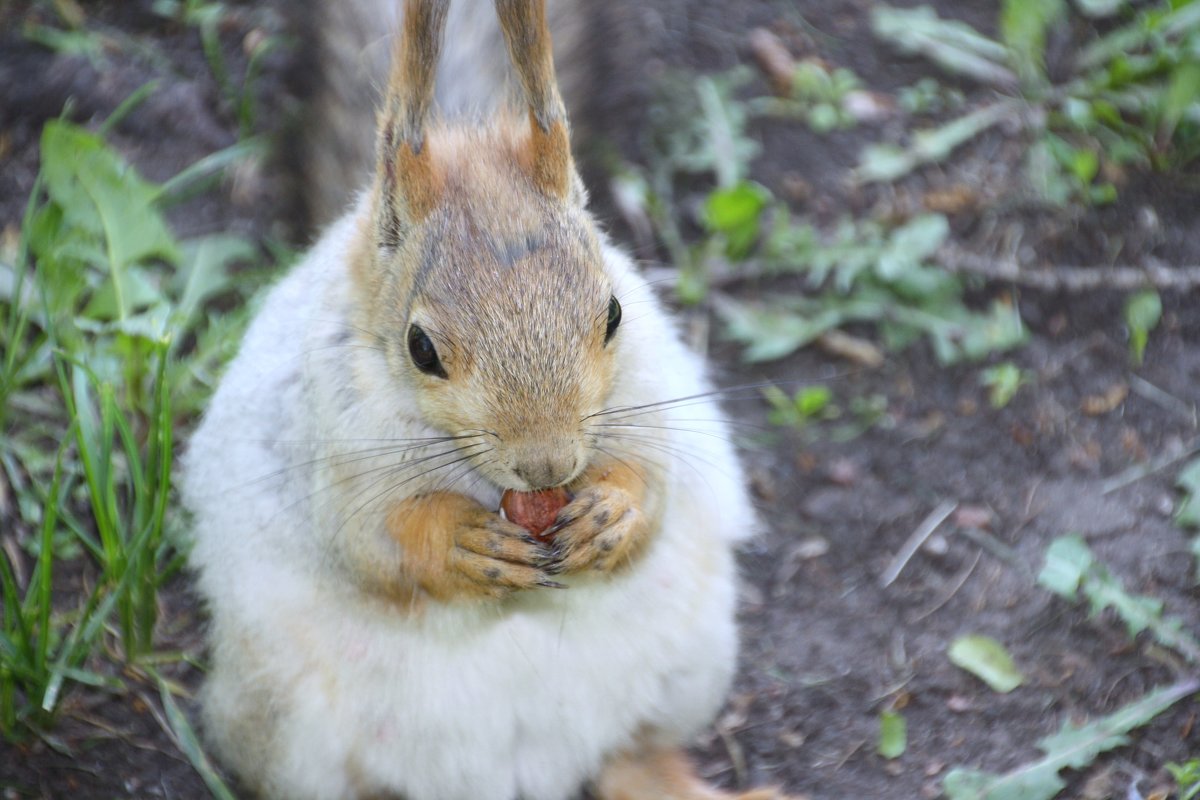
point(546, 471)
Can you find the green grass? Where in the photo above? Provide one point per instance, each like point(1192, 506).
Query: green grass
point(110, 343)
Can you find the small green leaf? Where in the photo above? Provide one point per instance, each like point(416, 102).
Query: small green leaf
point(1002, 382)
point(736, 212)
point(770, 333)
point(1084, 164)
point(1070, 568)
point(887, 162)
point(1196, 555)
point(1099, 8)
point(812, 400)
point(986, 659)
point(1068, 559)
point(103, 194)
point(205, 273)
point(1023, 26)
point(911, 243)
point(1187, 778)
point(893, 734)
point(884, 162)
point(1142, 313)
point(954, 45)
point(138, 291)
point(1182, 93)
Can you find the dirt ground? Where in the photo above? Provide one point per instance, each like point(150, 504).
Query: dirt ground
point(826, 645)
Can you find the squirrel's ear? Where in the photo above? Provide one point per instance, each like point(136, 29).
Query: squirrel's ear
point(410, 186)
point(549, 154)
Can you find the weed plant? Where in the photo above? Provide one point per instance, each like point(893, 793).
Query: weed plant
point(861, 271)
point(100, 303)
point(1130, 96)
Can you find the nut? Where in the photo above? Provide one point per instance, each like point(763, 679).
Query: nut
point(534, 511)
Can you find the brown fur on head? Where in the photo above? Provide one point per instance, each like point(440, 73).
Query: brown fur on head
point(479, 238)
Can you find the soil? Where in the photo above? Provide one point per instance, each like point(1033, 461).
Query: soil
point(827, 645)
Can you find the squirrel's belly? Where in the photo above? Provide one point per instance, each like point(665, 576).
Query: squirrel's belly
point(521, 703)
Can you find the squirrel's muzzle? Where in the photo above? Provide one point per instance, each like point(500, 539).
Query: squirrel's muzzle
point(544, 464)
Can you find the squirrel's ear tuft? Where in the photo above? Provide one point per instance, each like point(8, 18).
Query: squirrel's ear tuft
point(548, 157)
point(411, 187)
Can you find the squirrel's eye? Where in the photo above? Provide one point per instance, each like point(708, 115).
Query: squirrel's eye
point(423, 353)
point(614, 318)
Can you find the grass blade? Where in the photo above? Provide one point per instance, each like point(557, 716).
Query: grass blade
point(189, 743)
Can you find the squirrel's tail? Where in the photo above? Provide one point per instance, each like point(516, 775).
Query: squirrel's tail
point(352, 44)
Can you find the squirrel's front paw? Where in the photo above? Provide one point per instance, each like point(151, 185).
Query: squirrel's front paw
point(455, 548)
point(602, 529)
point(497, 556)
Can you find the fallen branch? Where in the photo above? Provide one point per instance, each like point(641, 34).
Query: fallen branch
point(918, 537)
point(1151, 272)
point(1059, 278)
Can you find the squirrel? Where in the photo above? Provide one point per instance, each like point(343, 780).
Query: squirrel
point(377, 628)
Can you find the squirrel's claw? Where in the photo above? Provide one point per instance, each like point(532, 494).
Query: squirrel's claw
point(599, 531)
point(499, 557)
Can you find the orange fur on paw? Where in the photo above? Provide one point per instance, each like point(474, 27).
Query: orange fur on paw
point(653, 773)
point(610, 521)
point(453, 548)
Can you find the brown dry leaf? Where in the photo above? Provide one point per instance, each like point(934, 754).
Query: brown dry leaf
point(738, 713)
point(865, 106)
point(936, 545)
point(796, 188)
point(762, 485)
point(1086, 456)
point(1096, 404)
point(773, 59)
point(10, 239)
point(1131, 443)
point(1100, 786)
point(974, 517)
point(851, 348)
point(951, 199)
point(930, 424)
point(70, 12)
point(253, 40)
point(792, 739)
point(1021, 435)
point(810, 548)
point(844, 472)
point(12, 550)
point(958, 703)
